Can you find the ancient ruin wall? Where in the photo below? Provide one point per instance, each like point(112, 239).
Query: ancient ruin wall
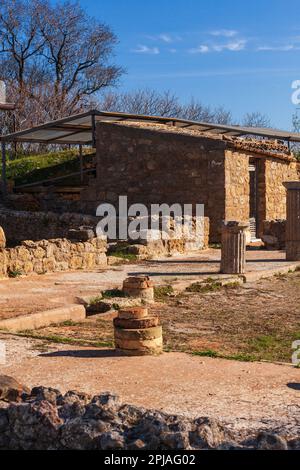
point(237, 186)
point(52, 255)
point(276, 173)
point(152, 167)
point(46, 419)
point(25, 225)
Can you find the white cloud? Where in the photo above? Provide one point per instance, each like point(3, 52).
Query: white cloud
point(285, 48)
point(233, 46)
point(165, 37)
point(202, 49)
point(141, 49)
point(226, 33)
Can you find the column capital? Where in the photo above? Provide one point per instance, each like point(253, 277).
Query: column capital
point(292, 185)
point(234, 226)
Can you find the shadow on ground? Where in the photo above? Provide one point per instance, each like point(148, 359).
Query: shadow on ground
point(84, 354)
point(294, 386)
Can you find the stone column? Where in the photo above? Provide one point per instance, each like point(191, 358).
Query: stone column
point(138, 334)
point(293, 221)
point(234, 236)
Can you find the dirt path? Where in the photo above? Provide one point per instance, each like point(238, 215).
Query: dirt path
point(240, 394)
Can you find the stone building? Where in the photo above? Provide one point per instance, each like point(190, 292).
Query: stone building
point(235, 179)
point(164, 160)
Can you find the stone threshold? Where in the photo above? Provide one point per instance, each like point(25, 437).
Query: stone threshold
point(43, 319)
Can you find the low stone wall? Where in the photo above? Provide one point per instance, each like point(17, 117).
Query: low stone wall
point(25, 225)
point(274, 234)
point(46, 419)
point(52, 255)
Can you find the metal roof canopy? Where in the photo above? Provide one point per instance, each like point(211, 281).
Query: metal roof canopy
point(81, 129)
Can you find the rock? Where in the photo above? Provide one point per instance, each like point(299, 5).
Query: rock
point(208, 434)
point(83, 234)
point(75, 421)
point(175, 441)
point(11, 390)
point(268, 441)
point(111, 441)
point(111, 304)
point(2, 238)
point(43, 393)
point(270, 242)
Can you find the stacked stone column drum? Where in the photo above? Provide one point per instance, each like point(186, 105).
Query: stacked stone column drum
point(137, 333)
point(139, 287)
point(234, 239)
point(293, 221)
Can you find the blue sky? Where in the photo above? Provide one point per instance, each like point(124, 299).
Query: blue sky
point(243, 55)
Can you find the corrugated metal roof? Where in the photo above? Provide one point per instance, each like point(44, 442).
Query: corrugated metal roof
point(79, 128)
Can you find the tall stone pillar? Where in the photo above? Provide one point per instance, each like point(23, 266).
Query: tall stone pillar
point(293, 221)
point(234, 235)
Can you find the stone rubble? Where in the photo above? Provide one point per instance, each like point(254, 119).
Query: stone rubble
point(46, 419)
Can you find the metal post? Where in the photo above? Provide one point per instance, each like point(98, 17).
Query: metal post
point(81, 163)
point(4, 182)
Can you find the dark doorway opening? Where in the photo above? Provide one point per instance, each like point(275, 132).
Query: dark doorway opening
point(253, 199)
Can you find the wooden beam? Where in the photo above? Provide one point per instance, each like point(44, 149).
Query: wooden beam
point(7, 106)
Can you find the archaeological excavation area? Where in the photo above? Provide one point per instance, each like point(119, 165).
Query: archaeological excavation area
point(190, 327)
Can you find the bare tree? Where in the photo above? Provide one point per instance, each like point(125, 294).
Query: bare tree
point(53, 58)
point(256, 119)
point(154, 103)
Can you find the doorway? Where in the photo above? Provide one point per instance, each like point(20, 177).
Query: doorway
point(253, 199)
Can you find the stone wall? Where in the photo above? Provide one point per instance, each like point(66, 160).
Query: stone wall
point(46, 419)
point(237, 186)
point(25, 225)
point(274, 234)
point(52, 255)
point(276, 173)
point(152, 167)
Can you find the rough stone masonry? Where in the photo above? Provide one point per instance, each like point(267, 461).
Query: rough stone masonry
point(46, 419)
point(47, 256)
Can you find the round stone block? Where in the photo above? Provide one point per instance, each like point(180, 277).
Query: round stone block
point(133, 313)
point(140, 282)
point(146, 294)
point(139, 335)
point(150, 346)
point(134, 324)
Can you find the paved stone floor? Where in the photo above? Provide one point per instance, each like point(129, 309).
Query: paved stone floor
point(37, 293)
point(240, 394)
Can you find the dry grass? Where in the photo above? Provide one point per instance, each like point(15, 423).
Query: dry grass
point(257, 322)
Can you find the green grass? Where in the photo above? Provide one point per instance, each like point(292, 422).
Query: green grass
point(64, 340)
point(14, 274)
point(232, 357)
point(161, 293)
point(112, 293)
point(122, 255)
point(30, 169)
point(204, 287)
